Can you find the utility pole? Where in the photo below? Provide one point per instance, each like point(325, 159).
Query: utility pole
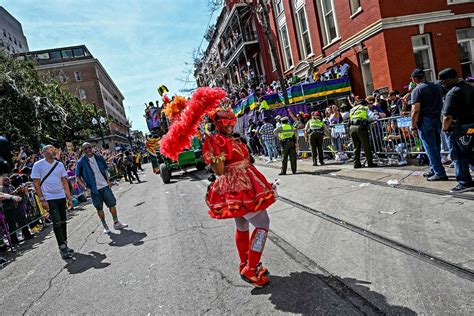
point(264, 20)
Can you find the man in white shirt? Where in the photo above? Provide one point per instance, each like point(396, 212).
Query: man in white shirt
point(50, 180)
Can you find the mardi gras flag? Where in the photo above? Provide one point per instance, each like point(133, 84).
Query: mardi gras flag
point(330, 88)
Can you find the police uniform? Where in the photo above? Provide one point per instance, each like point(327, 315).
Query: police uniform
point(287, 136)
point(359, 130)
point(315, 128)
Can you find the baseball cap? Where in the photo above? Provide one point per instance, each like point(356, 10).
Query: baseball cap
point(447, 73)
point(418, 73)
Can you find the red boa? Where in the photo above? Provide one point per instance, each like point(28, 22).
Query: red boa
point(184, 129)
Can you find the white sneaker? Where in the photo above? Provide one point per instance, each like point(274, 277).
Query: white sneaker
point(107, 230)
point(120, 225)
point(403, 163)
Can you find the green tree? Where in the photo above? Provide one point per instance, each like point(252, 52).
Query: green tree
point(35, 109)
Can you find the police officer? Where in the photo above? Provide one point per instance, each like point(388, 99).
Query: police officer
point(359, 121)
point(288, 141)
point(314, 134)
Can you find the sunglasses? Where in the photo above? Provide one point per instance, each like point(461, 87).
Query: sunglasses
point(227, 122)
point(87, 148)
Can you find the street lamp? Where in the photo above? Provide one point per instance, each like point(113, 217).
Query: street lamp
point(99, 123)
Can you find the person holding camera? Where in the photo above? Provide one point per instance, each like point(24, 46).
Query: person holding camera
point(458, 124)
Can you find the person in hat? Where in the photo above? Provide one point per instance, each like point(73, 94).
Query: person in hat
point(458, 118)
point(240, 192)
point(278, 121)
point(427, 99)
point(314, 134)
point(359, 120)
point(288, 141)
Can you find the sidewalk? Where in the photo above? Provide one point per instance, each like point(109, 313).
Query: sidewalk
point(410, 175)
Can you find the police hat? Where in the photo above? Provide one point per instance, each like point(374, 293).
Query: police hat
point(278, 117)
point(284, 119)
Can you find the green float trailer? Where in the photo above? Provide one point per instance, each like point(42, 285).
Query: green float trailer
point(186, 159)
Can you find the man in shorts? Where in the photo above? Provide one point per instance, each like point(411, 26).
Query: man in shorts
point(91, 173)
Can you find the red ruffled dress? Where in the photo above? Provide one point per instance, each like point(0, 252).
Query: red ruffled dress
point(242, 188)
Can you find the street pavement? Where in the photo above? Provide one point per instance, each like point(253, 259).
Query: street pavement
point(174, 259)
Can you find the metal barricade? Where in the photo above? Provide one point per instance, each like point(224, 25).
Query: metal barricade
point(388, 136)
point(16, 216)
point(112, 172)
point(302, 143)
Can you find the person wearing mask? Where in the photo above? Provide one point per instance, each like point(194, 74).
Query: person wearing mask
point(427, 99)
point(458, 124)
point(314, 134)
point(50, 180)
point(288, 140)
point(359, 121)
point(91, 173)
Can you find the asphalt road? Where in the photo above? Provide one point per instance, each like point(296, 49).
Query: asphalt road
point(174, 259)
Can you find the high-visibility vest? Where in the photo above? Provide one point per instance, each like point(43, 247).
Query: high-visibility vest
point(359, 112)
point(315, 124)
point(287, 132)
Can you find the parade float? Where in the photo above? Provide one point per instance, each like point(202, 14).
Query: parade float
point(162, 120)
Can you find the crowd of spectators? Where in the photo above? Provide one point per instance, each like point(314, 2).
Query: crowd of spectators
point(393, 104)
point(21, 214)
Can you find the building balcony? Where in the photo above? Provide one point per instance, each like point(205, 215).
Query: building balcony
point(237, 46)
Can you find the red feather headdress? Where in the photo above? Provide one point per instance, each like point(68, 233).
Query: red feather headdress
point(184, 129)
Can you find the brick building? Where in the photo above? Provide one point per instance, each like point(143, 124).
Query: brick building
point(382, 41)
point(85, 77)
point(12, 39)
point(238, 51)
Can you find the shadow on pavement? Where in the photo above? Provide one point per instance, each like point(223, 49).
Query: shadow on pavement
point(127, 237)
point(307, 293)
point(83, 262)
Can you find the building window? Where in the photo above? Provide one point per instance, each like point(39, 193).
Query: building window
point(303, 31)
point(77, 75)
point(355, 6)
point(278, 7)
point(423, 55)
point(67, 53)
point(82, 94)
point(287, 58)
point(78, 52)
point(466, 49)
point(55, 55)
point(366, 72)
point(459, 1)
point(42, 56)
point(329, 19)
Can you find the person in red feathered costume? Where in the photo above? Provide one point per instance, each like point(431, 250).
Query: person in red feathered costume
point(240, 192)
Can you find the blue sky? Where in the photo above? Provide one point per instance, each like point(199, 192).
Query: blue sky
point(141, 43)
